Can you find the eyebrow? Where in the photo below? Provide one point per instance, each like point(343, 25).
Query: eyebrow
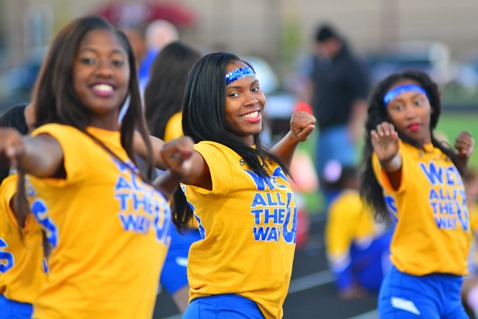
point(237, 86)
point(114, 51)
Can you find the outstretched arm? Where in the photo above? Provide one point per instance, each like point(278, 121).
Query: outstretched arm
point(141, 150)
point(40, 156)
point(184, 164)
point(302, 124)
point(385, 143)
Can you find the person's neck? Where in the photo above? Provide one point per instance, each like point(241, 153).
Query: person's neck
point(29, 115)
point(105, 124)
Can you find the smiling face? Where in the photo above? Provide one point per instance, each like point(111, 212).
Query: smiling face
point(244, 105)
point(100, 77)
point(410, 112)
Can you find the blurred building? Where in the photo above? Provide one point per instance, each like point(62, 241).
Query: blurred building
point(275, 29)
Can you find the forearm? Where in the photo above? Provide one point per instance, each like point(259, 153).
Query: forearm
point(141, 150)
point(167, 183)
point(285, 148)
point(393, 168)
point(392, 164)
point(462, 163)
point(157, 146)
point(42, 156)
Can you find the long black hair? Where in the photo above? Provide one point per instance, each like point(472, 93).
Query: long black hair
point(370, 189)
point(204, 120)
point(164, 91)
point(56, 100)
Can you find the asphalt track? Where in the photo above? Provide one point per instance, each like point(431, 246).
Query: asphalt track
point(311, 293)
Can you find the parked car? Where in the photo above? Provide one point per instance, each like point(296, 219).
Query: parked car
point(428, 56)
point(458, 80)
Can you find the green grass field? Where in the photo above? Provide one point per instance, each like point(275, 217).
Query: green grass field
point(451, 124)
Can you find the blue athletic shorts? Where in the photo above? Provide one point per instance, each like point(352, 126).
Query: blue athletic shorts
point(370, 265)
point(434, 296)
point(174, 275)
point(226, 306)
point(10, 309)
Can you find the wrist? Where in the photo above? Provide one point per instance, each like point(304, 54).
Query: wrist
point(392, 164)
point(292, 136)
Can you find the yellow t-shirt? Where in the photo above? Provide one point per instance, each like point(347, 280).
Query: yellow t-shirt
point(432, 233)
point(348, 222)
point(249, 228)
point(22, 267)
point(174, 128)
point(109, 231)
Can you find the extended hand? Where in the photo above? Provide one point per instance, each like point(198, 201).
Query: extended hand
point(385, 141)
point(302, 124)
point(464, 144)
point(11, 146)
point(176, 155)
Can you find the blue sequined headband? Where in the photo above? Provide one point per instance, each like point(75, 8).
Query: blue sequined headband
point(402, 89)
point(239, 74)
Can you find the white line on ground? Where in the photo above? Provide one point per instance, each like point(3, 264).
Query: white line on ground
point(311, 281)
point(368, 315)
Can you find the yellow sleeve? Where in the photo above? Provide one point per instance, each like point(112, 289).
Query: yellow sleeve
point(341, 225)
point(174, 128)
point(382, 176)
point(72, 143)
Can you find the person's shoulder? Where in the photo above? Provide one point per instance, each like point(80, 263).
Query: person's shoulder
point(348, 203)
point(216, 151)
point(355, 60)
point(8, 187)
point(209, 146)
point(408, 149)
point(15, 117)
point(173, 127)
point(349, 197)
point(58, 130)
point(56, 127)
point(176, 117)
point(19, 108)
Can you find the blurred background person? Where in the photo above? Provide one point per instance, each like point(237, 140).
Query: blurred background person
point(21, 118)
point(338, 87)
point(158, 34)
point(469, 291)
point(135, 35)
point(23, 268)
point(163, 107)
point(357, 247)
point(414, 178)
